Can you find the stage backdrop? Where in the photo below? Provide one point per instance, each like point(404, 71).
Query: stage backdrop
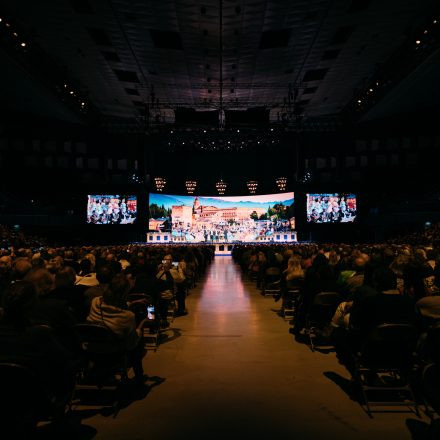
point(222, 219)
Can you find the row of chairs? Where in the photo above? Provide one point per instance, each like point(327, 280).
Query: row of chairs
point(390, 358)
point(103, 365)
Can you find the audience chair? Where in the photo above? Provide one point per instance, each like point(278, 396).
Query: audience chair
point(291, 298)
point(428, 348)
point(384, 365)
point(271, 283)
point(320, 314)
point(24, 401)
point(431, 389)
point(151, 329)
point(103, 358)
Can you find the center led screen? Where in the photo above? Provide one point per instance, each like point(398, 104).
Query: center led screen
point(222, 219)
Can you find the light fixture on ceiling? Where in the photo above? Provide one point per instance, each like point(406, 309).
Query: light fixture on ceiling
point(252, 186)
point(190, 186)
point(281, 183)
point(221, 186)
point(160, 183)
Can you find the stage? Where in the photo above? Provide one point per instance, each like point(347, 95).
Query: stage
point(221, 247)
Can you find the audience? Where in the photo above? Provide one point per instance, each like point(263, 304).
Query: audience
point(44, 291)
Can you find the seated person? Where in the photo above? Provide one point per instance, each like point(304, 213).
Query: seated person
point(33, 346)
point(428, 309)
point(86, 276)
point(52, 311)
point(103, 275)
point(66, 290)
point(387, 306)
point(111, 311)
point(170, 277)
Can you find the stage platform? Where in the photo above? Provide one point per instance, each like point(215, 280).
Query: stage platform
point(169, 238)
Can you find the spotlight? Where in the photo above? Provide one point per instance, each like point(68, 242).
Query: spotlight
point(23, 44)
point(418, 41)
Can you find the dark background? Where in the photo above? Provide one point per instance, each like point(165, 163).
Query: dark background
point(104, 96)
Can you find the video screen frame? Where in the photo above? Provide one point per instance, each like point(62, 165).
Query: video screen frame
point(331, 208)
point(111, 209)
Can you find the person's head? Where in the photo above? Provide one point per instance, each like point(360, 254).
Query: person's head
point(359, 264)
point(68, 254)
point(20, 268)
point(42, 279)
point(92, 260)
point(65, 277)
point(85, 266)
point(320, 260)
point(384, 279)
point(18, 301)
point(118, 289)
point(104, 274)
point(57, 263)
point(37, 260)
point(420, 255)
point(5, 264)
point(167, 260)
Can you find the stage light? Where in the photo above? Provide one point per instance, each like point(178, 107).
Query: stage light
point(190, 186)
point(221, 187)
point(418, 41)
point(281, 183)
point(252, 186)
point(371, 90)
point(23, 44)
point(359, 101)
point(160, 183)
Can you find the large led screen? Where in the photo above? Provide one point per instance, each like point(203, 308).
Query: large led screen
point(111, 209)
point(222, 219)
point(331, 208)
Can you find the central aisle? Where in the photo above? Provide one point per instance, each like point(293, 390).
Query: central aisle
point(233, 370)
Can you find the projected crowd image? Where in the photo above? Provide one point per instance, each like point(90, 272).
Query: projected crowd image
point(222, 219)
point(331, 208)
point(111, 209)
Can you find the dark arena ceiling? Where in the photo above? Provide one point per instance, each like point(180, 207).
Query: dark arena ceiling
point(129, 60)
